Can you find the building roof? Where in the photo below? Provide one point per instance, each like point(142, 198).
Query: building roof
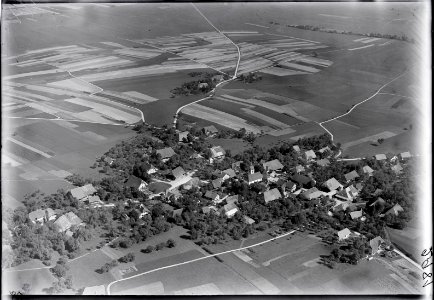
point(301, 179)
point(375, 244)
point(310, 154)
point(299, 168)
point(230, 206)
point(359, 186)
point(133, 182)
point(178, 172)
point(322, 150)
point(210, 195)
point(232, 199)
point(182, 135)
point(166, 152)
point(73, 218)
point(217, 151)
point(395, 209)
point(94, 290)
point(207, 209)
point(41, 213)
point(378, 201)
point(405, 155)
point(254, 177)
point(230, 173)
point(94, 199)
point(248, 220)
point(296, 148)
point(217, 183)
point(397, 168)
point(380, 156)
point(177, 212)
point(289, 184)
point(344, 233)
point(352, 190)
point(356, 214)
point(351, 175)
point(332, 184)
point(273, 165)
point(323, 162)
point(210, 129)
point(312, 193)
point(67, 220)
point(272, 195)
point(367, 169)
point(83, 191)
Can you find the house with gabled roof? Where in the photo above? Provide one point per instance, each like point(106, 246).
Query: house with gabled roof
point(380, 157)
point(230, 173)
point(94, 290)
point(166, 153)
point(347, 194)
point(309, 155)
point(152, 170)
point(232, 199)
point(332, 184)
point(376, 244)
point(296, 148)
point(272, 165)
point(272, 195)
point(341, 205)
point(183, 136)
point(230, 210)
point(136, 183)
point(323, 162)
point(178, 172)
point(255, 177)
point(81, 193)
point(344, 234)
point(395, 210)
point(212, 195)
point(288, 187)
point(217, 152)
point(397, 169)
point(217, 183)
point(356, 214)
point(322, 150)
point(66, 221)
point(95, 201)
point(351, 176)
point(299, 169)
point(302, 181)
point(248, 220)
point(310, 194)
point(42, 215)
point(209, 130)
point(368, 170)
point(405, 155)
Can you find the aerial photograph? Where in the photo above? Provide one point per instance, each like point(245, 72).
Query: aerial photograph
point(216, 148)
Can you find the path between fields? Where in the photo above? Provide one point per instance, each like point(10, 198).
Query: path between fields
point(198, 259)
point(212, 92)
point(355, 105)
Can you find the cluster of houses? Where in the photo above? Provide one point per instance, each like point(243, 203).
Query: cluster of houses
point(62, 223)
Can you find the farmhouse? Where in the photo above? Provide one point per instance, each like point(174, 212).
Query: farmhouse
point(217, 152)
point(136, 183)
point(166, 153)
point(83, 192)
point(380, 157)
point(351, 176)
point(376, 244)
point(332, 184)
point(299, 169)
point(42, 215)
point(405, 155)
point(66, 221)
point(288, 187)
point(212, 195)
point(230, 210)
point(95, 201)
point(344, 234)
point(255, 177)
point(194, 182)
point(397, 169)
point(348, 194)
point(152, 170)
point(296, 148)
point(217, 183)
point(341, 205)
point(302, 180)
point(310, 155)
point(202, 85)
point(232, 199)
point(209, 130)
point(109, 160)
point(248, 220)
point(322, 150)
point(178, 172)
point(356, 214)
point(395, 210)
point(230, 173)
point(272, 165)
point(368, 170)
point(310, 194)
point(183, 135)
point(272, 195)
point(323, 162)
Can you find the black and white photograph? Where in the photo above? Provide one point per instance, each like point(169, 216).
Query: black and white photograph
point(216, 148)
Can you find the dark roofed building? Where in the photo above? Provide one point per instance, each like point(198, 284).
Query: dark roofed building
point(302, 180)
point(272, 165)
point(166, 152)
point(351, 176)
point(312, 193)
point(272, 195)
point(210, 129)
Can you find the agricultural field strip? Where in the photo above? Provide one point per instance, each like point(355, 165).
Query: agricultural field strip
point(281, 72)
point(265, 118)
point(359, 103)
point(358, 48)
point(197, 259)
point(29, 147)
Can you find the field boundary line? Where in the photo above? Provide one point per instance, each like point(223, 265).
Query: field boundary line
point(197, 259)
point(70, 120)
point(359, 103)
